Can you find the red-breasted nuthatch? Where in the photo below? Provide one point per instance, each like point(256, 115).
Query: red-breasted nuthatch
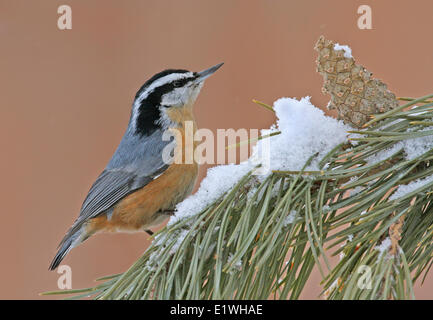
point(138, 189)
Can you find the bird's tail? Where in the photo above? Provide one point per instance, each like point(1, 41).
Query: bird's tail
point(73, 238)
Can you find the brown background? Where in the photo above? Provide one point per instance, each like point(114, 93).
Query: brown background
point(65, 99)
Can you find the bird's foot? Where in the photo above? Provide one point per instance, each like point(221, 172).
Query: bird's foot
point(168, 212)
point(165, 212)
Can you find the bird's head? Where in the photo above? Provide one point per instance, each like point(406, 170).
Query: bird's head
point(164, 100)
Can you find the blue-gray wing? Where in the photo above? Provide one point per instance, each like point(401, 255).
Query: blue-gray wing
point(108, 189)
point(135, 163)
point(111, 187)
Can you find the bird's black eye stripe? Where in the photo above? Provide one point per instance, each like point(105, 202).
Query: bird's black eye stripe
point(177, 83)
point(156, 77)
point(146, 122)
point(181, 82)
point(148, 110)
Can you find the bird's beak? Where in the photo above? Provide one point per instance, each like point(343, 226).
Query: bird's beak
point(202, 75)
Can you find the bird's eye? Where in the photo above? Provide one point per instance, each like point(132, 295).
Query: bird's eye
point(177, 83)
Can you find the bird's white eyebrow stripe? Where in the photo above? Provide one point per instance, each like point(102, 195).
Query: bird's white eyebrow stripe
point(162, 81)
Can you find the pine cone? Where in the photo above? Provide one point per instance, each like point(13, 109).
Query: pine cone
point(354, 93)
